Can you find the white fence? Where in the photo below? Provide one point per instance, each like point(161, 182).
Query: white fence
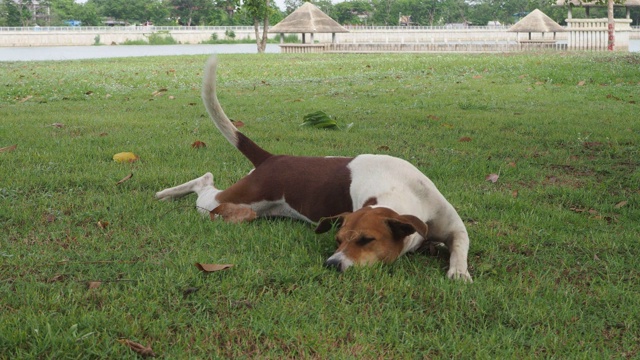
point(61, 36)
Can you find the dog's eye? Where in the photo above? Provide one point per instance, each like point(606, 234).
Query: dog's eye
point(364, 240)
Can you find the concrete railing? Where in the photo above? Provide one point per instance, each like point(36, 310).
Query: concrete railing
point(63, 36)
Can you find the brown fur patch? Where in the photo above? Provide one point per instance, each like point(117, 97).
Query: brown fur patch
point(233, 213)
point(313, 186)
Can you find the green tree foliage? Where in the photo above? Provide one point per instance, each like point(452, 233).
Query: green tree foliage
point(247, 12)
point(352, 12)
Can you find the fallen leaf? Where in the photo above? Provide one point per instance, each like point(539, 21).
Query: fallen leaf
point(94, 284)
point(595, 257)
point(514, 194)
point(539, 82)
point(620, 204)
point(171, 97)
point(189, 291)
point(58, 125)
point(464, 139)
point(198, 144)
point(103, 224)
point(144, 351)
point(126, 178)
point(103, 134)
point(212, 267)
point(159, 92)
point(433, 117)
point(56, 278)
point(477, 76)
point(89, 92)
point(8, 148)
point(383, 148)
point(581, 83)
point(125, 157)
point(25, 98)
point(238, 124)
point(492, 177)
point(512, 164)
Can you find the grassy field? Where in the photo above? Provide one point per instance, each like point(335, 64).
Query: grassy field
point(554, 241)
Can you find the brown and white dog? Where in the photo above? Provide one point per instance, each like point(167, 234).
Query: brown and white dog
point(383, 205)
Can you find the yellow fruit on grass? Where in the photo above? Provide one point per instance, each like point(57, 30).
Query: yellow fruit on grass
point(125, 157)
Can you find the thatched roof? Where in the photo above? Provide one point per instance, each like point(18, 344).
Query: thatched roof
point(593, 3)
point(536, 21)
point(308, 19)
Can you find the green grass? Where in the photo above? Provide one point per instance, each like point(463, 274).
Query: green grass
point(554, 242)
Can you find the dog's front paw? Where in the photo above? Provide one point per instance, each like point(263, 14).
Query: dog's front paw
point(459, 274)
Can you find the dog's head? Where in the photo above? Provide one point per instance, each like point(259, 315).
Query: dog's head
point(370, 235)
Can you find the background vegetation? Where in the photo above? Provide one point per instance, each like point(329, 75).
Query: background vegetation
point(235, 12)
point(86, 263)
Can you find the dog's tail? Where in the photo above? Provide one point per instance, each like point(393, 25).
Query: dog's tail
point(248, 148)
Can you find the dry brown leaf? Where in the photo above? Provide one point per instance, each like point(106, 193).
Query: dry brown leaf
point(512, 164)
point(237, 124)
point(198, 144)
point(56, 278)
point(25, 98)
point(58, 125)
point(514, 194)
point(103, 134)
point(126, 178)
point(103, 224)
point(621, 204)
point(581, 83)
point(464, 139)
point(433, 117)
point(144, 351)
point(492, 177)
point(383, 148)
point(8, 148)
point(159, 92)
point(477, 76)
point(212, 267)
point(539, 82)
point(94, 284)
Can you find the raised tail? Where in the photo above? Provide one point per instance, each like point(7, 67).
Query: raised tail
point(247, 147)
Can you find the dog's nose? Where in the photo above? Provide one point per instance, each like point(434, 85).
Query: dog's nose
point(333, 263)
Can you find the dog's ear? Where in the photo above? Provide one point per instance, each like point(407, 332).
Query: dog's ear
point(233, 213)
point(405, 225)
point(327, 223)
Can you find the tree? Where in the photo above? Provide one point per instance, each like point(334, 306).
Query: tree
point(190, 11)
point(259, 11)
point(347, 12)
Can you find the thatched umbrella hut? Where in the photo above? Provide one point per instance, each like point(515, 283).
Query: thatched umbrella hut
point(537, 22)
point(308, 18)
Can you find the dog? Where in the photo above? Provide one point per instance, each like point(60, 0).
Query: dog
point(382, 206)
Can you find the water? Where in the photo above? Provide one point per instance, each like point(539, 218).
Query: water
point(38, 53)
point(101, 52)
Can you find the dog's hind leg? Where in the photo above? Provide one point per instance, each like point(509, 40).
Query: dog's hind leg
point(199, 185)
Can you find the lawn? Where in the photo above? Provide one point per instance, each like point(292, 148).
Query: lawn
point(89, 260)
